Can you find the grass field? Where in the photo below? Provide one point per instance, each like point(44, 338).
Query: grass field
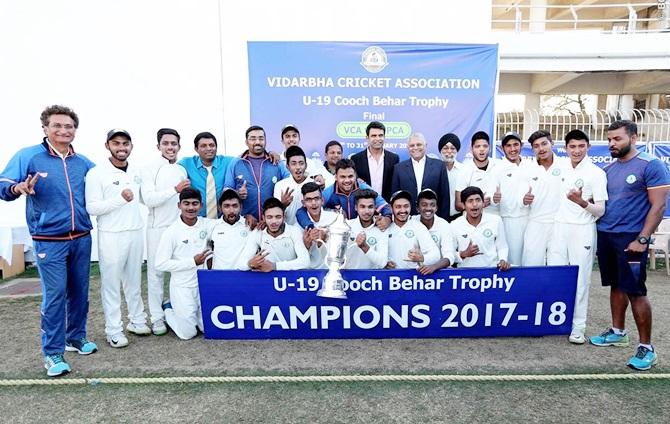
point(562, 401)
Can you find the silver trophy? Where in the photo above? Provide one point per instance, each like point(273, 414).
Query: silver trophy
point(338, 238)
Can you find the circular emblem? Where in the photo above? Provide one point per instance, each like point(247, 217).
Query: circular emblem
point(409, 233)
point(203, 234)
point(579, 183)
point(556, 172)
point(374, 59)
point(274, 180)
point(434, 237)
point(488, 233)
point(371, 241)
point(631, 179)
point(243, 233)
point(285, 244)
point(137, 179)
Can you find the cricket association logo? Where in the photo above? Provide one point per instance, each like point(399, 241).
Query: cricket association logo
point(203, 234)
point(488, 233)
point(556, 172)
point(371, 241)
point(409, 233)
point(631, 179)
point(374, 59)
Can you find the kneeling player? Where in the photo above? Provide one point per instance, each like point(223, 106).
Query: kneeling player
point(230, 234)
point(181, 252)
point(368, 246)
point(480, 235)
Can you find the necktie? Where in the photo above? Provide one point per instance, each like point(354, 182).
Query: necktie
point(211, 194)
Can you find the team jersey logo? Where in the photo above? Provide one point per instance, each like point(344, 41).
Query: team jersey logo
point(115, 183)
point(509, 175)
point(556, 172)
point(587, 247)
point(274, 180)
point(137, 179)
point(185, 241)
point(535, 178)
point(579, 183)
point(409, 233)
point(488, 232)
point(435, 239)
point(243, 233)
point(203, 234)
point(631, 179)
point(464, 235)
point(372, 241)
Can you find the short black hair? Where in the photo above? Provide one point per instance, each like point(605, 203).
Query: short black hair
point(294, 151)
point(400, 194)
point(273, 202)
point(310, 187)
point(426, 193)
point(202, 135)
point(366, 193)
point(332, 143)
point(190, 193)
point(480, 135)
point(167, 131)
point(576, 135)
point(253, 128)
point(345, 164)
point(471, 191)
point(228, 194)
point(630, 126)
point(376, 125)
point(539, 134)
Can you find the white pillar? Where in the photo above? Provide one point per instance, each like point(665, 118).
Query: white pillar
point(538, 14)
point(531, 110)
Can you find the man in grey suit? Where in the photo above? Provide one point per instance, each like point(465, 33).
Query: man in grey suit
point(374, 165)
point(421, 172)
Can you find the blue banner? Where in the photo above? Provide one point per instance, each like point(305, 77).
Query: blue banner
point(333, 90)
point(475, 302)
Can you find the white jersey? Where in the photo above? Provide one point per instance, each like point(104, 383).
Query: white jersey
point(179, 244)
point(441, 234)
point(296, 203)
point(512, 180)
point(229, 242)
point(489, 236)
point(158, 182)
point(287, 251)
point(546, 186)
point(319, 251)
point(454, 175)
point(412, 235)
point(377, 255)
point(485, 180)
point(104, 185)
point(593, 182)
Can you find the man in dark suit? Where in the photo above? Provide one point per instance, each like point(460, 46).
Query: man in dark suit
point(374, 165)
point(421, 172)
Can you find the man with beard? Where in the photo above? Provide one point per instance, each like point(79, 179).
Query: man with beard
point(439, 230)
point(582, 202)
point(333, 151)
point(278, 247)
point(479, 234)
point(479, 172)
point(637, 186)
point(410, 243)
point(181, 252)
point(230, 234)
point(162, 182)
point(449, 145)
point(368, 245)
point(111, 190)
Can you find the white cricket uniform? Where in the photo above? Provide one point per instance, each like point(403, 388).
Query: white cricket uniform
point(158, 182)
point(488, 235)
point(178, 245)
point(573, 240)
point(287, 251)
point(512, 179)
point(120, 241)
point(454, 175)
point(296, 203)
point(229, 242)
point(319, 251)
point(412, 235)
point(546, 185)
point(377, 255)
point(473, 176)
point(441, 234)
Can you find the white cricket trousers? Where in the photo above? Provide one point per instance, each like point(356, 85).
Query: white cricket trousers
point(185, 316)
point(155, 278)
point(575, 244)
point(514, 231)
point(120, 258)
point(536, 243)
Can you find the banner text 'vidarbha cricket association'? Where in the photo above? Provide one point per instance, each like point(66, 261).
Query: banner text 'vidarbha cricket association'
point(331, 91)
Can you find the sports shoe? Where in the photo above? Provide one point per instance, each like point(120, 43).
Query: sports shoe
point(138, 329)
point(82, 346)
point(159, 328)
point(643, 359)
point(56, 365)
point(117, 340)
point(577, 337)
point(610, 338)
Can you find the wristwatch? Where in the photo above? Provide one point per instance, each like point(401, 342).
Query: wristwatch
point(643, 240)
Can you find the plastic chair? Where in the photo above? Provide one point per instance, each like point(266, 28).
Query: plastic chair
point(660, 241)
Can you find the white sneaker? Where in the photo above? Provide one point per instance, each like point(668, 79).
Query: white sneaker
point(159, 328)
point(138, 329)
point(577, 337)
point(117, 340)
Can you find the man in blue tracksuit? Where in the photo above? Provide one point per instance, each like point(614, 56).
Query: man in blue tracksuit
point(253, 175)
point(52, 175)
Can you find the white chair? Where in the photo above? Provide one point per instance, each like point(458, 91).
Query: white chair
point(660, 241)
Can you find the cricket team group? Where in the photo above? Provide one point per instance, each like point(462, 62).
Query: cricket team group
point(264, 211)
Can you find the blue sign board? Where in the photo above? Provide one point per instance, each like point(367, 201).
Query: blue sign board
point(474, 302)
